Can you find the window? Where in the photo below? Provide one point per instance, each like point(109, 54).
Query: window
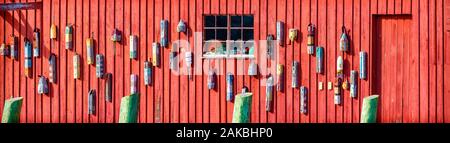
point(228, 35)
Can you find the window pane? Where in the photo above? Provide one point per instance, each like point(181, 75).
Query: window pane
point(248, 21)
point(236, 21)
point(209, 21)
point(221, 34)
point(248, 34)
point(236, 34)
point(209, 34)
point(221, 21)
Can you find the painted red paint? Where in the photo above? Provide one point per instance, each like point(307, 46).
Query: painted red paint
point(176, 99)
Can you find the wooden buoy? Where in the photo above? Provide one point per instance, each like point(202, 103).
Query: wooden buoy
point(11, 110)
point(242, 107)
point(128, 109)
point(369, 109)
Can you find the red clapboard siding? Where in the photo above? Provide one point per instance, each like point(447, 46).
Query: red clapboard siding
point(175, 98)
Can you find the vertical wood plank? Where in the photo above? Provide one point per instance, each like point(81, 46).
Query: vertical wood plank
point(424, 61)
point(331, 60)
point(305, 57)
point(71, 88)
point(158, 77)
point(2, 60)
point(62, 77)
point(19, 77)
point(193, 92)
point(339, 23)
point(313, 102)
point(407, 7)
point(391, 6)
point(101, 98)
point(365, 44)
point(223, 66)
point(289, 60)
point(46, 49)
point(184, 81)
point(56, 45)
point(31, 88)
point(281, 95)
point(348, 62)
point(142, 52)
point(94, 81)
point(263, 61)
point(79, 46)
point(206, 66)
point(446, 60)
point(168, 110)
point(322, 41)
point(255, 81)
point(440, 61)
point(356, 48)
point(128, 30)
point(432, 63)
point(174, 93)
point(109, 58)
point(198, 66)
point(413, 114)
point(271, 24)
point(136, 63)
point(398, 6)
point(150, 26)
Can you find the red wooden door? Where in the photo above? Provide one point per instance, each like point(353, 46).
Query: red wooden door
point(392, 42)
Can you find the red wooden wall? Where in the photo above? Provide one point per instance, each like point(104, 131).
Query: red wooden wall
point(176, 99)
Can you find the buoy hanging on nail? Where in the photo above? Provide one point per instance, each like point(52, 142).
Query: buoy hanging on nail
point(134, 83)
point(340, 67)
point(53, 32)
point(164, 33)
point(230, 81)
point(42, 85)
point(269, 93)
point(76, 66)
point(147, 73)
point(270, 46)
point(90, 51)
point(156, 54)
point(344, 42)
point(13, 47)
point(345, 85)
point(310, 37)
point(116, 37)
point(337, 92)
point(319, 59)
point(27, 57)
point(108, 87)
point(173, 60)
point(181, 27)
point(295, 74)
point(4, 51)
point(353, 84)
point(100, 66)
point(253, 69)
point(280, 33)
point(362, 65)
point(133, 46)
point(52, 68)
point(304, 100)
point(69, 37)
point(211, 79)
point(36, 43)
point(189, 61)
point(91, 102)
point(292, 35)
point(280, 77)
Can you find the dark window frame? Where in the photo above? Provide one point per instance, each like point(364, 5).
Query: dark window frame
point(228, 27)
